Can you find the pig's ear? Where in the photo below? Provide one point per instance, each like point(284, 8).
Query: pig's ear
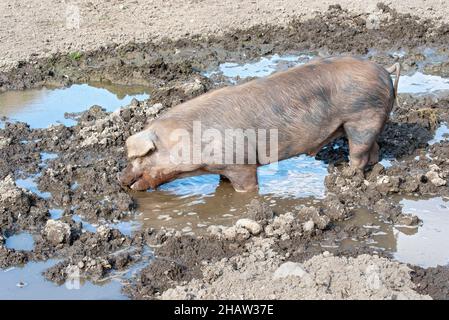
point(140, 144)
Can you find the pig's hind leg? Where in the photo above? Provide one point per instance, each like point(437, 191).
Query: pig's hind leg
point(363, 148)
point(374, 154)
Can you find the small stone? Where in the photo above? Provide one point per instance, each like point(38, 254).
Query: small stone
point(289, 269)
point(80, 264)
point(252, 226)
point(103, 231)
point(308, 226)
point(435, 179)
point(235, 233)
point(214, 230)
point(407, 220)
point(57, 231)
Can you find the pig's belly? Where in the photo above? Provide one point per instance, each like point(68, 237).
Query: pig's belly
point(308, 142)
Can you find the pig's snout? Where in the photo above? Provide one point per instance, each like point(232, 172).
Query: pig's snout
point(127, 177)
point(135, 181)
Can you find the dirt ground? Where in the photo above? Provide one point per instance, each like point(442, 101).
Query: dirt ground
point(45, 27)
point(267, 245)
point(262, 274)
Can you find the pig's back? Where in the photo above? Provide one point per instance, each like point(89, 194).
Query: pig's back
point(321, 93)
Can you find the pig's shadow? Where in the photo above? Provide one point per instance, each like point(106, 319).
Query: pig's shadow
point(397, 140)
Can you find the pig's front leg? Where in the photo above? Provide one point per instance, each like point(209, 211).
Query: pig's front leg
point(243, 178)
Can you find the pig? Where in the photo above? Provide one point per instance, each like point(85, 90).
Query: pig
point(309, 105)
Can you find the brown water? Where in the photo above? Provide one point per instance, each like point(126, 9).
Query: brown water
point(197, 202)
point(425, 245)
point(41, 108)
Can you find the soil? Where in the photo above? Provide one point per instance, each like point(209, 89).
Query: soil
point(44, 27)
point(158, 63)
point(82, 179)
point(262, 274)
point(432, 281)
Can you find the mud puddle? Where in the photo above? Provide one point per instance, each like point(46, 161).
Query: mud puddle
point(259, 68)
point(424, 245)
point(420, 83)
point(27, 283)
point(125, 227)
point(194, 203)
point(414, 81)
point(41, 108)
point(199, 201)
point(441, 134)
point(21, 241)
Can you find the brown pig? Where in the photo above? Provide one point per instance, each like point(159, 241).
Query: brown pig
point(308, 106)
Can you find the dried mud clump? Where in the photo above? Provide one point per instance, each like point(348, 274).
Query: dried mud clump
point(91, 255)
point(262, 274)
point(260, 211)
point(178, 259)
point(20, 209)
point(11, 257)
point(432, 281)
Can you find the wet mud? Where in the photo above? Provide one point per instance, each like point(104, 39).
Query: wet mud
point(75, 211)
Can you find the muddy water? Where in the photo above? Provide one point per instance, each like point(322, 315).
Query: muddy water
point(22, 241)
point(419, 83)
point(197, 202)
point(43, 107)
point(441, 134)
point(27, 283)
point(424, 245)
point(259, 68)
